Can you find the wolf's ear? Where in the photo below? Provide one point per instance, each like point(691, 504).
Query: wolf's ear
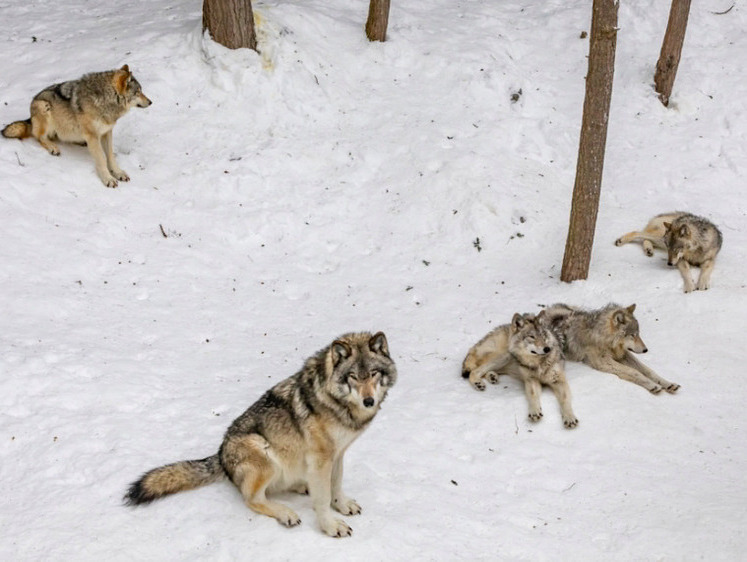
point(619, 317)
point(121, 78)
point(126, 69)
point(684, 230)
point(378, 344)
point(631, 308)
point(517, 321)
point(340, 350)
point(667, 225)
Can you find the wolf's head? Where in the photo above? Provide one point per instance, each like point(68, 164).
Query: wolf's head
point(360, 371)
point(679, 239)
point(626, 331)
point(129, 88)
point(530, 336)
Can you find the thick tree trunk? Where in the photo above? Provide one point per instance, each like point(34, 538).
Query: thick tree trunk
point(590, 164)
point(671, 49)
point(230, 22)
point(378, 20)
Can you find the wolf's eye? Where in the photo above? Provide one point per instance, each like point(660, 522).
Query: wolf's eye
point(350, 375)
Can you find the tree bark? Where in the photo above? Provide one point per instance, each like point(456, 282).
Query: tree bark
point(590, 163)
point(230, 23)
point(378, 20)
point(671, 49)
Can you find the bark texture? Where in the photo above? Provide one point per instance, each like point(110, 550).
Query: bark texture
point(671, 49)
point(230, 23)
point(593, 140)
point(378, 20)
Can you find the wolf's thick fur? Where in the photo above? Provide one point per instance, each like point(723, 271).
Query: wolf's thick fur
point(606, 339)
point(294, 437)
point(693, 240)
point(688, 239)
point(526, 349)
point(83, 111)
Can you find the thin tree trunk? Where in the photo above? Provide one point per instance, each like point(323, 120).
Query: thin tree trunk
point(378, 20)
point(230, 22)
point(590, 163)
point(671, 49)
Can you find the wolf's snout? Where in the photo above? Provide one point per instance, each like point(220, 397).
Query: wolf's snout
point(546, 349)
point(645, 350)
point(368, 402)
point(669, 262)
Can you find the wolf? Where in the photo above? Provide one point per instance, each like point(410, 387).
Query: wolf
point(526, 349)
point(606, 340)
point(294, 437)
point(688, 239)
point(83, 111)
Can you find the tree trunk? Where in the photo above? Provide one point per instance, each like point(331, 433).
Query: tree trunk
point(378, 20)
point(230, 22)
point(671, 49)
point(590, 163)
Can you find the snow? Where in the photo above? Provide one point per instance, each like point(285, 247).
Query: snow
point(331, 185)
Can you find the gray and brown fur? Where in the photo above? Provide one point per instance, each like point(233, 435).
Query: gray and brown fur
point(294, 437)
point(688, 240)
point(606, 339)
point(83, 111)
point(528, 350)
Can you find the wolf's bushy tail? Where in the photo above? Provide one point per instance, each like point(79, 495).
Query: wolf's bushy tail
point(172, 478)
point(18, 130)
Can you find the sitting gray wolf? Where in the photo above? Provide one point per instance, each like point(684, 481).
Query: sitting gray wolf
point(526, 349)
point(688, 239)
point(83, 111)
point(606, 339)
point(294, 437)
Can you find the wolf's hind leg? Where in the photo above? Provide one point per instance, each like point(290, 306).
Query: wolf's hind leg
point(253, 480)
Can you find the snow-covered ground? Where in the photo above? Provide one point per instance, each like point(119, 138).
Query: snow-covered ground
point(421, 187)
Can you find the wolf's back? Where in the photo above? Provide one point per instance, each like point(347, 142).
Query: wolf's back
point(18, 130)
point(172, 478)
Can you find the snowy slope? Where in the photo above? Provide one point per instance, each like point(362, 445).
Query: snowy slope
point(330, 185)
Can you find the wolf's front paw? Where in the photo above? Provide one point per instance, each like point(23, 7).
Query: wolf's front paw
point(346, 506)
point(108, 181)
point(689, 288)
point(478, 385)
point(535, 416)
point(288, 517)
point(335, 528)
point(655, 389)
point(649, 252)
point(570, 422)
point(121, 175)
point(672, 388)
point(619, 242)
point(493, 377)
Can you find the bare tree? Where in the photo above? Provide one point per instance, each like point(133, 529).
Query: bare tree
point(378, 20)
point(671, 49)
point(590, 163)
point(230, 22)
